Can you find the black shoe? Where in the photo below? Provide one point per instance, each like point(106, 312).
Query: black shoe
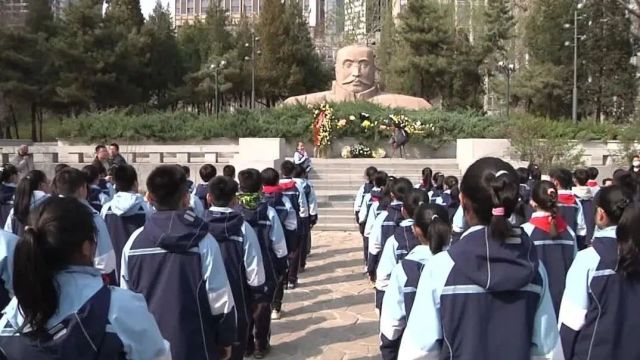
point(291, 285)
point(261, 354)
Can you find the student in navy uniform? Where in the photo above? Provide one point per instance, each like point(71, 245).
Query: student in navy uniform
point(96, 197)
point(72, 182)
point(385, 227)
point(585, 196)
point(426, 184)
point(523, 211)
point(486, 297)
point(127, 212)
point(435, 195)
point(599, 312)
point(190, 184)
point(295, 193)
point(241, 255)
point(535, 174)
point(369, 174)
point(593, 179)
point(555, 242)
point(568, 204)
point(431, 226)
point(398, 245)
point(272, 196)
point(451, 195)
point(62, 308)
point(369, 210)
point(177, 265)
point(8, 180)
point(30, 192)
point(207, 172)
point(300, 176)
point(229, 171)
point(265, 222)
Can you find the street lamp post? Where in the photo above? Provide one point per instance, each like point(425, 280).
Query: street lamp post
point(508, 69)
point(576, 38)
point(216, 67)
point(254, 52)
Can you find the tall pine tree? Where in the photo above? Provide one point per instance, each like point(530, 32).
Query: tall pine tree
point(386, 51)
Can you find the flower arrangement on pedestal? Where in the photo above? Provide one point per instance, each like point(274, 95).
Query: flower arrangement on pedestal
point(322, 129)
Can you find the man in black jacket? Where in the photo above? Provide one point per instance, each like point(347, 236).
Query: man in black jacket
point(115, 159)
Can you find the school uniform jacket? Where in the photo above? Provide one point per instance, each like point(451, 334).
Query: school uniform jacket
point(273, 247)
point(196, 205)
point(7, 191)
point(115, 321)
point(293, 191)
point(482, 299)
point(177, 265)
point(97, 198)
point(395, 250)
point(383, 228)
point(7, 247)
point(556, 254)
point(458, 225)
point(13, 225)
point(105, 258)
point(399, 299)
point(599, 312)
point(367, 202)
point(310, 196)
point(123, 215)
point(357, 203)
point(272, 196)
point(201, 191)
point(571, 211)
point(585, 197)
point(242, 259)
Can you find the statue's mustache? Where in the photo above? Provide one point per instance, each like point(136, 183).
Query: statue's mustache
point(353, 79)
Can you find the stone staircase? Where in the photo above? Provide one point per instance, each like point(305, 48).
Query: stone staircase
point(336, 182)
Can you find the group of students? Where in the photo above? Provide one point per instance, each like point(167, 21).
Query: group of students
point(92, 269)
point(509, 264)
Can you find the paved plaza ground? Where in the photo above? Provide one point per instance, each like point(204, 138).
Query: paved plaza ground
point(331, 314)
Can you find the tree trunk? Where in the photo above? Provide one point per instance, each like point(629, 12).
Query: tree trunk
point(34, 124)
point(40, 116)
point(15, 120)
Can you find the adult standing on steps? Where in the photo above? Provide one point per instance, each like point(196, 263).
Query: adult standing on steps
point(23, 161)
point(115, 158)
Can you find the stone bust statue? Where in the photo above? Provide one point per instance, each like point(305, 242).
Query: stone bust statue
point(355, 80)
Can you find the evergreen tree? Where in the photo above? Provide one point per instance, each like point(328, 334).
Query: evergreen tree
point(126, 14)
point(272, 65)
point(386, 51)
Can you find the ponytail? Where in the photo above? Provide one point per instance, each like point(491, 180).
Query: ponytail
point(433, 222)
point(628, 235)
point(51, 242)
point(545, 195)
point(504, 190)
point(24, 194)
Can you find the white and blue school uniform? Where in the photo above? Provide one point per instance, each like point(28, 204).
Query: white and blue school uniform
point(571, 211)
point(482, 299)
point(243, 261)
point(357, 203)
point(97, 198)
point(395, 250)
point(92, 321)
point(555, 254)
point(292, 190)
point(7, 248)
point(123, 215)
point(383, 227)
point(436, 196)
point(7, 190)
point(599, 312)
point(312, 203)
point(178, 266)
point(200, 191)
point(374, 211)
point(105, 258)
point(458, 225)
point(367, 202)
point(196, 205)
point(585, 197)
point(399, 299)
point(13, 225)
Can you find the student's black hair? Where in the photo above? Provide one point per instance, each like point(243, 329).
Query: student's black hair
point(125, 177)
point(8, 171)
point(298, 171)
point(545, 195)
point(51, 242)
point(627, 181)
point(99, 147)
point(380, 179)
point(523, 175)
point(59, 168)
point(370, 173)
point(613, 200)
point(229, 171)
point(91, 172)
point(186, 170)
point(438, 181)
point(24, 193)
point(287, 168)
point(618, 172)
point(581, 176)
point(168, 185)
point(400, 188)
point(427, 174)
point(250, 181)
point(433, 220)
point(628, 236)
point(563, 177)
point(451, 182)
point(68, 181)
point(270, 177)
point(207, 172)
point(412, 200)
point(115, 146)
point(606, 180)
point(222, 189)
point(534, 172)
point(593, 173)
point(491, 184)
point(386, 199)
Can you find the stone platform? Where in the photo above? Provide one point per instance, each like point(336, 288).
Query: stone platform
point(331, 315)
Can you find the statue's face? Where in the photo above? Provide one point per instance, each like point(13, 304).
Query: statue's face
point(355, 69)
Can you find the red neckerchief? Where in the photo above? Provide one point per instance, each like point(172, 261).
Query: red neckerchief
point(544, 223)
point(287, 185)
point(271, 189)
point(567, 199)
point(592, 183)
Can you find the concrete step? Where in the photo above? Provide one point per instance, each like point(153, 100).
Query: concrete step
point(336, 211)
point(337, 219)
point(321, 226)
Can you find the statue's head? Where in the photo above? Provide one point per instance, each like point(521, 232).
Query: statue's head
point(355, 68)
